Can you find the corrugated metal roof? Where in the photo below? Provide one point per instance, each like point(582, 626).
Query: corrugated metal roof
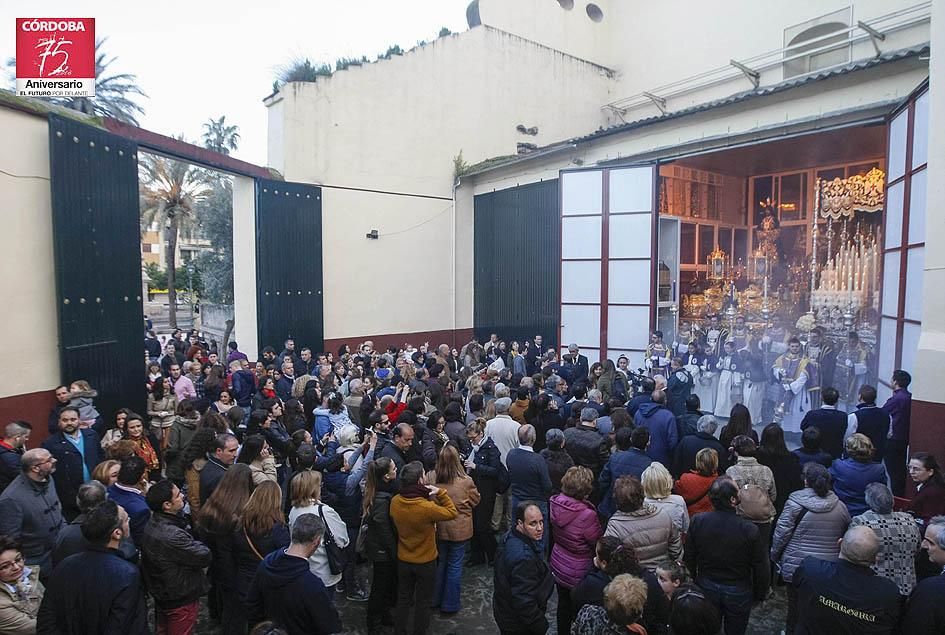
point(890, 56)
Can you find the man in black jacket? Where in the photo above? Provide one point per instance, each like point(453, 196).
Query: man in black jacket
point(528, 474)
point(70, 540)
point(96, 591)
point(580, 370)
point(685, 455)
point(285, 591)
point(225, 448)
point(12, 446)
point(831, 422)
point(688, 422)
point(63, 397)
point(586, 445)
point(847, 596)
point(172, 561)
point(728, 557)
point(523, 581)
point(77, 452)
point(925, 613)
point(644, 396)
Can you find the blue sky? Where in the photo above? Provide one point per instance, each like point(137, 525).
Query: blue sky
point(208, 58)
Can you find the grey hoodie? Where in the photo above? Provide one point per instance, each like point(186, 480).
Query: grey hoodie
point(817, 534)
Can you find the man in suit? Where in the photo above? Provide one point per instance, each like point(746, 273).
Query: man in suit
point(533, 356)
point(580, 364)
point(528, 474)
point(831, 422)
point(77, 452)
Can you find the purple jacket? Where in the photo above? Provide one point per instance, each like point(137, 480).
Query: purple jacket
point(576, 529)
point(899, 409)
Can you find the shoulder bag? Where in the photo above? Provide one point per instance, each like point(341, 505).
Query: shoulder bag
point(336, 555)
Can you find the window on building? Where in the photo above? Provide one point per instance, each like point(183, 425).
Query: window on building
point(822, 37)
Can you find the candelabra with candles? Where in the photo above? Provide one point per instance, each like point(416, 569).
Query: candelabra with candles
point(849, 279)
point(759, 269)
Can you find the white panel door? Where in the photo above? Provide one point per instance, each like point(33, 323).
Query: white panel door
point(607, 260)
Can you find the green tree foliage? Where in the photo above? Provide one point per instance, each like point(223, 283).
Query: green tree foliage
point(220, 137)
point(346, 62)
point(171, 191)
point(216, 264)
point(444, 32)
point(114, 94)
point(300, 70)
point(158, 278)
point(392, 50)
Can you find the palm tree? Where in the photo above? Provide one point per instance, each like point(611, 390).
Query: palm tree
point(219, 137)
point(171, 192)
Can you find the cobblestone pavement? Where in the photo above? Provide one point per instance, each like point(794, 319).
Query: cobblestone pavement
point(476, 613)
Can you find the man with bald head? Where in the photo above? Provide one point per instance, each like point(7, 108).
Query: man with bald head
point(30, 511)
point(846, 596)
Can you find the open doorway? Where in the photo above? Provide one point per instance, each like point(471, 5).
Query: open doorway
point(186, 257)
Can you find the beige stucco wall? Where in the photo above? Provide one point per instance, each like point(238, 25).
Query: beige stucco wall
point(929, 372)
point(396, 126)
point(400, 283)
point(28, 287)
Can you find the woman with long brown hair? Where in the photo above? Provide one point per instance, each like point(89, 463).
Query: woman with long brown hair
point(380, 541)
point(215, 523)
point(194, 458)
point(260, 531)
point(145, 445)
point(452, 535)
point(739, 423)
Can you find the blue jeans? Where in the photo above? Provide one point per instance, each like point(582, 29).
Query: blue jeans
point(733, 603)
point(449, 574)
point(543, 506)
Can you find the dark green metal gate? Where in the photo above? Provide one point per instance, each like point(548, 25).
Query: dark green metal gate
point(517, 262)
point(289, 264)
point(97, 245)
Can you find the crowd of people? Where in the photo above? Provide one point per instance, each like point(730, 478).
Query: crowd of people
point(271, 487)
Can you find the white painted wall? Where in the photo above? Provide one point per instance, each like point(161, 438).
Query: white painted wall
point(652, 44)
point(244, 264)
point(28, 287)
point(930, 358)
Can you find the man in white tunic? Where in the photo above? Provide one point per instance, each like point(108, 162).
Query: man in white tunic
point(790, 370)
point(730, 380)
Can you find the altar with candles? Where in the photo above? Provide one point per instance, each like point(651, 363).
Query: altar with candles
point(762, 244)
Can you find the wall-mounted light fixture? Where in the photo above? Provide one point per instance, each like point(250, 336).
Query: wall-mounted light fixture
point(372, 235)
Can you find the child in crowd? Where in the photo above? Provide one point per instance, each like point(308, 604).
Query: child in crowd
point(671, 576)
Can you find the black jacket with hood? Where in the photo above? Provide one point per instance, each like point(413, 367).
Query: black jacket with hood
point(286, 591)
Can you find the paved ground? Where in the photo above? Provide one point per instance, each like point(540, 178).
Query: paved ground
point(476, 613)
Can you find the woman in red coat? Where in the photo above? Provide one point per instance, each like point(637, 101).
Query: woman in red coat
point(576, 529)
point(694, 485)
